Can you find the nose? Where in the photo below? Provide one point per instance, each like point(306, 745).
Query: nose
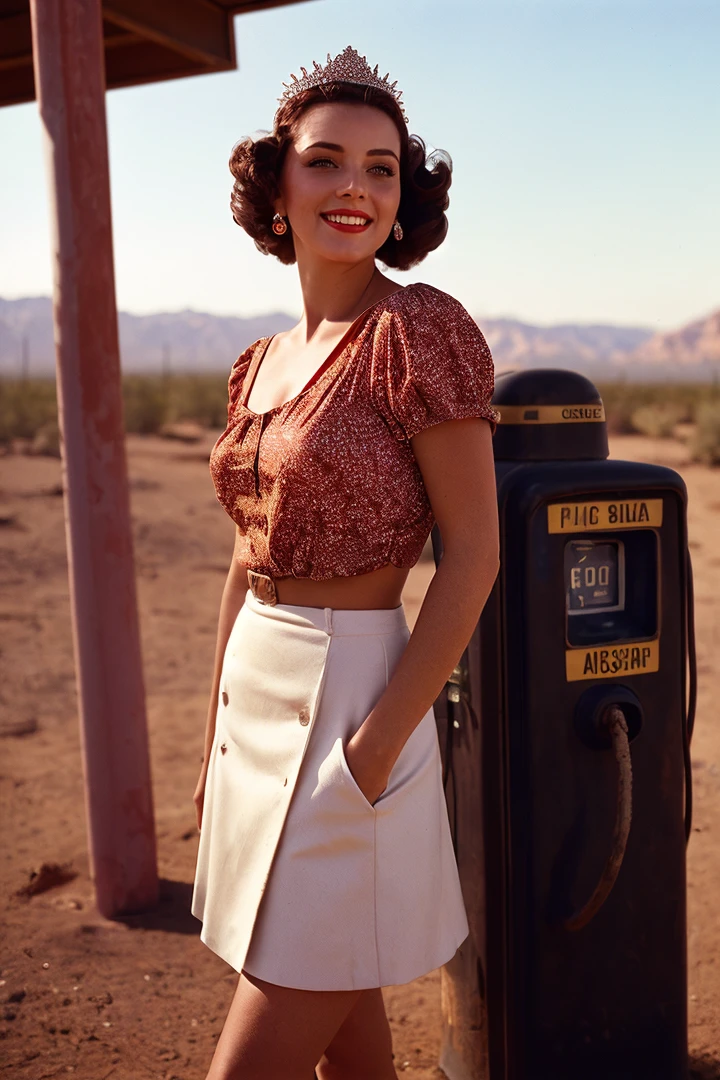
point(352, 184)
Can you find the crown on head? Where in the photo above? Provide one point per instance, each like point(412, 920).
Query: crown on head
point(348, 67)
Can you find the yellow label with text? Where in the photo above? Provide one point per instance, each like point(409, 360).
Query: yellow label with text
point(551, 414)
point(609, 661)
point(604, 516)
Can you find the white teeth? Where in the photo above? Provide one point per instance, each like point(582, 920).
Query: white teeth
point(346, 219)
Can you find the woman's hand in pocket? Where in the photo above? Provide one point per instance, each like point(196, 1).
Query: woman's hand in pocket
point(370, 774)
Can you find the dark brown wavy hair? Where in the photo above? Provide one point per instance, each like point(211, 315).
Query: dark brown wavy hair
point(256, 164)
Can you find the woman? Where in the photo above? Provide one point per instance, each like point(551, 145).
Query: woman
point(325, 868)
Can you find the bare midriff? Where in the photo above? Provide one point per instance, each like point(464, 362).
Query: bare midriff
point(379, 589)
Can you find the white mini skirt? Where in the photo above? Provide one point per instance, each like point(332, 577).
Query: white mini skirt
point(301, 881)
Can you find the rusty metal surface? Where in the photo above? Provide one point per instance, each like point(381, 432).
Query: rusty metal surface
point(67, 42)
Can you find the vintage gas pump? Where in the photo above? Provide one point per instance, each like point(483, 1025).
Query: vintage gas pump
point(565, 732)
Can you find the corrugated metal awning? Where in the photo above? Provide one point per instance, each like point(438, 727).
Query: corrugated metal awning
point(145, 41)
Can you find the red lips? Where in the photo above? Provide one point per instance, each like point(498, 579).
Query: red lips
point(345, 226)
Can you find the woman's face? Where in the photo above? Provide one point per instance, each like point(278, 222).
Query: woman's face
point(340, 181)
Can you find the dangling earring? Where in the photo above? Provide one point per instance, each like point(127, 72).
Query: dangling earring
point(279, 225)
point(397, 230)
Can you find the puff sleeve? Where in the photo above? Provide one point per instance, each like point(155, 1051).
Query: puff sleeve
point(236, 379)
point(431, 364)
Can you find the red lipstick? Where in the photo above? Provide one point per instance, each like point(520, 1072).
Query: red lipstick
point(346, 226)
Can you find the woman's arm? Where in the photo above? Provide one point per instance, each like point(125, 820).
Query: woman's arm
point(456, 461)
point(232, 600)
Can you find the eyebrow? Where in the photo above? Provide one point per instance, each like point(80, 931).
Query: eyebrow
point(340, 149)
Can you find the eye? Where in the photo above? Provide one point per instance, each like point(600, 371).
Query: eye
point(385, 170)
point(320, 161)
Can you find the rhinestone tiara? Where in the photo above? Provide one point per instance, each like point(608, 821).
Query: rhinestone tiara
point(348, 67)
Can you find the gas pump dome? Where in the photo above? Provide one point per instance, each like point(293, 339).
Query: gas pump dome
point(549, 414)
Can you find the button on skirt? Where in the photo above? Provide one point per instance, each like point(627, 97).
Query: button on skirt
point(300, 880)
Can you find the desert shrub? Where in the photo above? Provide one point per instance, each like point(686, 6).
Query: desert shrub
point(145, 403)
point(658, 421)
point(150, 401)
point(625, 401)
point(619, 415)
point(26, 405)
point(622, 400)
point(202, 398)
point(705, 443)
point(46, 440)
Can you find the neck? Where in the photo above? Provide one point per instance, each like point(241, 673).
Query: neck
point(337, 292)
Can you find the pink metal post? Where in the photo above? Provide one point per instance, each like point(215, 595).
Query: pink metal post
point(70, 82)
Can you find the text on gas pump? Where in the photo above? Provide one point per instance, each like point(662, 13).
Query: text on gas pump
point(605, 662)
point(605, 516)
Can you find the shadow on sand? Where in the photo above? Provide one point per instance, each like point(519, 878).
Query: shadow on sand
point(704, 1068)
point(172, 913)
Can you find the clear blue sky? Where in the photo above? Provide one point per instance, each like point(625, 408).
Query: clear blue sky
point(584, 135)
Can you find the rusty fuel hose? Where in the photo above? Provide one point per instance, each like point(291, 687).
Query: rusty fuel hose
point(614, 721)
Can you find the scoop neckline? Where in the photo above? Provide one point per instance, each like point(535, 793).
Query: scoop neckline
point(341, 347)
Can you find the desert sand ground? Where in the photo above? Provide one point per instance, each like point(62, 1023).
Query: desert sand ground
point(141, 998)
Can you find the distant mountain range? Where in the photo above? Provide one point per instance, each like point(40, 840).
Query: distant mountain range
point(180, 341)
point(192, 341)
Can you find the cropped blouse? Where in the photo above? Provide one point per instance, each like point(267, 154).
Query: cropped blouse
point(326, 485)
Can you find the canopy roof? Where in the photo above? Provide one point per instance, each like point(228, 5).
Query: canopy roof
point(145, 41)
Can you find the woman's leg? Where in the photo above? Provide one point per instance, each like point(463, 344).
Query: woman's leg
point(276, 1033)
point(362, 1047)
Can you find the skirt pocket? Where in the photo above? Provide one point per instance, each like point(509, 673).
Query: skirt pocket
point(350, 779)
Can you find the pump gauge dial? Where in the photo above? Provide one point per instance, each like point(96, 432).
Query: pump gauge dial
point(594, 576)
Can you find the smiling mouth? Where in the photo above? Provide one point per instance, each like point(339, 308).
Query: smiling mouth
point(347, 222)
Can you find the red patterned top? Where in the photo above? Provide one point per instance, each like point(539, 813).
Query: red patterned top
point(326, 485)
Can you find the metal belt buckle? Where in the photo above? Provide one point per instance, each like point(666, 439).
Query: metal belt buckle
point(262, 587)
